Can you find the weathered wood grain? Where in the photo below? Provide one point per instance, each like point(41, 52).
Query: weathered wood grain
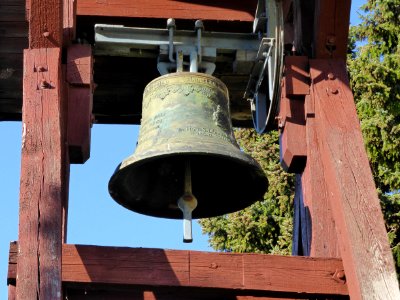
point(11, 292)
point(331, 28)
point(96, 265)
point(297, 77)
point(234, 10)
point(293, 149)
point(351, 192)
point(42, 179)
point(69, 21)
point(45, 23)
point(317, 220)
point(80, 101)
point(80, 65)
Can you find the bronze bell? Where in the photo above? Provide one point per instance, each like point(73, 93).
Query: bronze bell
point(186, 148)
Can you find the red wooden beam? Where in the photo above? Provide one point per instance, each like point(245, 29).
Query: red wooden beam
point(291, 114)
point(351, 192)
point(232, 10)
point(318, 226)
point(44, 161)
point(314, 228)
point(331, 28)
point(69, 21)
point(96, 265)
point(42, 177)
point(80, 101)
point(45, 23)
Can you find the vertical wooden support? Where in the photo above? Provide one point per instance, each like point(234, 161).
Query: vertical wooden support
point(317, 219)
point(44, 161)
point(363, 242)
point(80, 101)
point(69, 21)
point(293, 149)
point(42, 177)
point(11, 292)
point(331, 28)
point(45, 23)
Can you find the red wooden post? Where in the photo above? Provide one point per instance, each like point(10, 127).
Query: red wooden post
point(42, 178)
point(291, 114)
point(11, 292)
point(44, 167)
point(45, 24)
point(319, 237)
point(69, 21)
point(351, 192)
point(80, 101)
point(331, 28)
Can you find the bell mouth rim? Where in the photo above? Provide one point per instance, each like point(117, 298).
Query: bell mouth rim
point(252, 168)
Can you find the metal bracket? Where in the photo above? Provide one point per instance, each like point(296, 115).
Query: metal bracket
point(198, 47)
point(258, 55)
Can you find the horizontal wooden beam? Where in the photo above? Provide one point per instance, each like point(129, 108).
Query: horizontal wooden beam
point(233, 10)
point(255, 273)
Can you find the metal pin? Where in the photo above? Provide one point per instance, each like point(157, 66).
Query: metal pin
point(41, 69)
point(44, 84)
point(187, 203)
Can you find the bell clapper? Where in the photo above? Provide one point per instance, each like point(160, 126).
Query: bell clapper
point(187, 203)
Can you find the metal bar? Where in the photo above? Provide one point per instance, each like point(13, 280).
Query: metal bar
point(149, 38)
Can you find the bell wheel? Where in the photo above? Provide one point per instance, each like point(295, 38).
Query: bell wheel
point(266, 93)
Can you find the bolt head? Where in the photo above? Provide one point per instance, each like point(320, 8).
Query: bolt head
point(331, 76)
point(44, 84)
point(341, 275)
point(331, 40)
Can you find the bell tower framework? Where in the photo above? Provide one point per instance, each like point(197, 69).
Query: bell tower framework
point(338, 226)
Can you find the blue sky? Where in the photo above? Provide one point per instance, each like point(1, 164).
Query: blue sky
point(94, 218)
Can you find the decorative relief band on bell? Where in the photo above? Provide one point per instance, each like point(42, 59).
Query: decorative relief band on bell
point(173, 80)
point(205, 132)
